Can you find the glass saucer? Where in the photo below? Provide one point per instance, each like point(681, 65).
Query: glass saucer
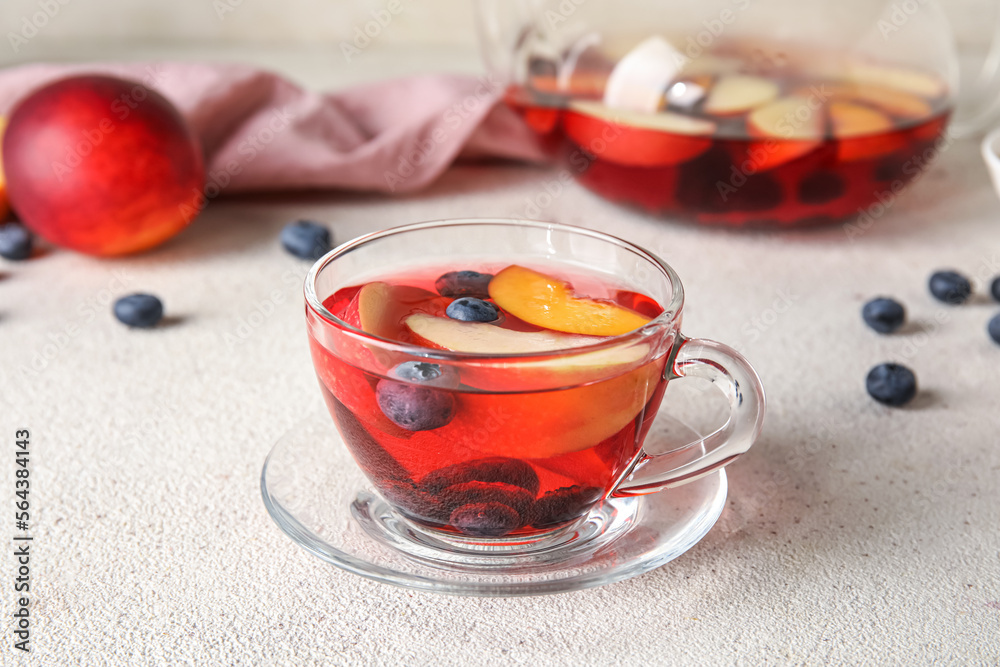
point(316, 494)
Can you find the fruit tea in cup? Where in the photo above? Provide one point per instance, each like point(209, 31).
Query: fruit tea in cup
point(491, 449)
point(730, 141)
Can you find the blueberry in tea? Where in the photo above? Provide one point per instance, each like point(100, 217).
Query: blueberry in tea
point(995, 289)
point(891, 384)
point(426, 372)
point(950, 287)
point(406, 496)
point(370, 455)
point(883, 314)
point(490, 519)
point(760, 192)
point(821, 187)
point(563, 504)
point(413, 407)
point(494, 469)
point(486, 492)
point(139, 310)
point(470, 309)
point(464, 283)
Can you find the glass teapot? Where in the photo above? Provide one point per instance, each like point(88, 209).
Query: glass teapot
point(735, 112)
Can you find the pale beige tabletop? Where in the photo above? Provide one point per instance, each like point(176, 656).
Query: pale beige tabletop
point(854, 533)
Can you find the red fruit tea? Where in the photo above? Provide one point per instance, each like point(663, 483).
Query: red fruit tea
point(488, 449)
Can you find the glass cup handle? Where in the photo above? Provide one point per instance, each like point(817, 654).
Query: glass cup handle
point(732, 374)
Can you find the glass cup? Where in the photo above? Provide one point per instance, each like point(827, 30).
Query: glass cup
point(537, 440)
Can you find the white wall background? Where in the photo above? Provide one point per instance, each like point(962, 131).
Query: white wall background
point(82, 29)
point(298, 21)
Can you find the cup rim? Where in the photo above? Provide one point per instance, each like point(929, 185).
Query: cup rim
point(671, 310)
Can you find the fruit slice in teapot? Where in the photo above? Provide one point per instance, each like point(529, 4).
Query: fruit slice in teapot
point(791, 126)
point(862, 132)
point(635, 138)
point(894, 102)
point(897, 78)
point(739, 93)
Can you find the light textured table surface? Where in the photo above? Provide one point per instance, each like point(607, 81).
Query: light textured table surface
point(854, 533)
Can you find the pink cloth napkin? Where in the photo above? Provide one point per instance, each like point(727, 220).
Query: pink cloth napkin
point(260, 132)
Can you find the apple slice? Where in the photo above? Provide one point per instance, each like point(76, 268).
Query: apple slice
point(382, 307)
point(636, 139)
point(898, 78)
point(862, 132)
point(740, 93)
point(484, 338)
point(792, 126)
point(638, 80)
point(548, 302)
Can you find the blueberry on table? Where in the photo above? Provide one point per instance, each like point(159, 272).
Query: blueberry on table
point(884, 315)
point(950, 287)
point(891, 384)
point(425, 372)
point(464, 283)
point(139, 310)
point(413, 407)
point(305, 239)
point(471, 309)
point(485, 519)
point(995, 288)
point(15, 241)
point(994, 329)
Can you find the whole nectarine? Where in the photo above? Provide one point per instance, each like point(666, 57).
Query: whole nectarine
point(102, 165)
point(3, 180)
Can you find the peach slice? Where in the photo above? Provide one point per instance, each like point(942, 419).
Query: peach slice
point(862, 132)
point(792, 126)
point(636, 139)
point(854, 120)
point(548, 302)
point(907, 80)
point(894, 102)
point(557, 422)
point(739, 93)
